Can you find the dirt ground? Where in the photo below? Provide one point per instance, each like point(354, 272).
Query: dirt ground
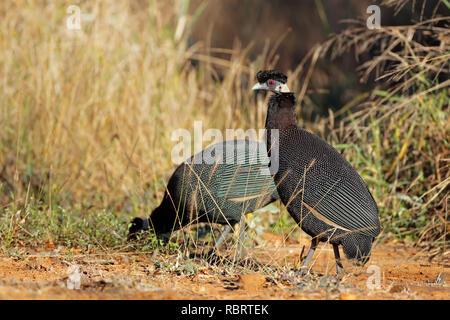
point(395, 271)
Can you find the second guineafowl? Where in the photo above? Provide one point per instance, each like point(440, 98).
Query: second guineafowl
point(218, 185)
point(320, 189)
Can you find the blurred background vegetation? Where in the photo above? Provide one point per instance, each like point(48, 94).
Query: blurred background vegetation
point(86, 116)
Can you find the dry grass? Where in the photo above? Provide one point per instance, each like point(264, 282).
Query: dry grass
point(87, 115)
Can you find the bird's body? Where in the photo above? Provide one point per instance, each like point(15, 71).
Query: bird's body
point(320, 189)
point(323, 192)
point(217, 192)
point(218, 185)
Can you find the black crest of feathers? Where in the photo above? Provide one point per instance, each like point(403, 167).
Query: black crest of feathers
point(265, 75)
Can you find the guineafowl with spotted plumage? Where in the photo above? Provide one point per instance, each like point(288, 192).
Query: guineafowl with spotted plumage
point(218, 185)
point(320, 189)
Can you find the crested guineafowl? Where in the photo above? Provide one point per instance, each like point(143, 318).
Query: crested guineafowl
point(218, 185)
point(320, 189)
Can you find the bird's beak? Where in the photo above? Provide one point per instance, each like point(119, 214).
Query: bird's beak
point(260, 86)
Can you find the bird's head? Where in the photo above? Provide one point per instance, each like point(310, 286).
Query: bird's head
point(160, 223)
point(136, 226)
point(271, 80)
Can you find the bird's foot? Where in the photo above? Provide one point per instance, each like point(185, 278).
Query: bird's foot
point(302, 272)
point(340, 274)
point(294, 276)
point(332, 281)
point(212, 257)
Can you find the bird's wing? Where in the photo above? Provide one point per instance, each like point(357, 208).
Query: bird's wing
point(245, 182)
point(245, 173)
point(346, 204)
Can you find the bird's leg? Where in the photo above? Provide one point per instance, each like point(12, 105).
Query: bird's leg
point(219, 241)
point(339, 267)
point(222, 237)
point(241, 239)
point(304, 267)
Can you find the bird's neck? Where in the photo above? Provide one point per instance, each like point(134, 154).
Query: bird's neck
point(280, 116)
point(281, 111)
point(281, 119)
point(163, 218)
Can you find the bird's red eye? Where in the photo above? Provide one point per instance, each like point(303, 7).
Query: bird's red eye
point(271, 83)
